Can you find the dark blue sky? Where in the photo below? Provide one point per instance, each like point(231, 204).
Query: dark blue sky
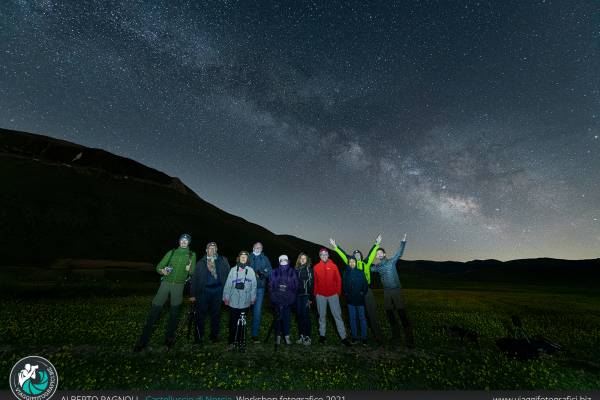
point(472, 126)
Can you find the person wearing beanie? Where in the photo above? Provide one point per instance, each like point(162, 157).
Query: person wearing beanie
point(239, 292)
point(174, 268)
point(392, 296)
point(365, 266)
point(262, 268)
point(207, 286)
point(355, 287)
point(283, 286)
point(327, 290)
point(304, 298)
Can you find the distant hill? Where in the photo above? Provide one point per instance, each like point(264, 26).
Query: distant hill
point(67, 206)
point(528, 272)
point(60, 200)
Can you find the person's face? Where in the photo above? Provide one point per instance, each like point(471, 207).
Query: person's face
point(380, 254)
point(357, 256)
point(184, 243)
point(303, 259)
point(352, 263)
point(244, 258)
point(258, 248)
point(283, 262)
point(324, 256)
point(211, 250)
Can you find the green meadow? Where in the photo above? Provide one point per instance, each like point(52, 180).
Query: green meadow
point(89, 340)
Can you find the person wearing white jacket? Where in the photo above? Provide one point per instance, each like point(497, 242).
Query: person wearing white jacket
point(239, 292)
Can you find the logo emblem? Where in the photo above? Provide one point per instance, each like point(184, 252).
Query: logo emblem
point(33, 378)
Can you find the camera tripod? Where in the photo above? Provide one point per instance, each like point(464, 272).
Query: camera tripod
point(240, 333)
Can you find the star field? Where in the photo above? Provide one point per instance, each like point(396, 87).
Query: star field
point(471, 126)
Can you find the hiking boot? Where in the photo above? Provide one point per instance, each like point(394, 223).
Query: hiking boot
point(288, 341)
point(139, 347)
point(301, 340)
point(346, 342)
point(278, 340)
point(364, 342)
point(170, 343)
point(353, 341)
point(322, 339)
point(306, 341)
point(230, 347)
point(255, 340)
point(214, 339)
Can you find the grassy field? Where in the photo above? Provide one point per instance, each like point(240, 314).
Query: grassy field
point(89, 340)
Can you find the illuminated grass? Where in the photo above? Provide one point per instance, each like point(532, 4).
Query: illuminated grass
point(90, 340)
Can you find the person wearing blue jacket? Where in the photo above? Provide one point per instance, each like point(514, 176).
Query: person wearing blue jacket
point(355, 287)
point(392, 299)
point(262, 267)
point(207, 286)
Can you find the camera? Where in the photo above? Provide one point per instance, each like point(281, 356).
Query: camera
point(169, 269)
point(240, 285)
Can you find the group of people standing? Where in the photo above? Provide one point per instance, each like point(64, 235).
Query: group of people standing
point(242, 289)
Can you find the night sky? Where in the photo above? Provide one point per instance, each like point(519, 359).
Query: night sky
point(472, 126)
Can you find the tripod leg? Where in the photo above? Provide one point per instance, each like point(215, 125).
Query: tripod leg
point(243, 340)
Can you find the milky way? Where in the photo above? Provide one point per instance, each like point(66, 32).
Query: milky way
point(471, 126)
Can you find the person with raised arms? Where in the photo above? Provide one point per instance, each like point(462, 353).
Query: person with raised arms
point(392, 295)
point(365, 266)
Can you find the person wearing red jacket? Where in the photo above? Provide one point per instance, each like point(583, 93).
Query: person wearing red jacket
point(327, 288)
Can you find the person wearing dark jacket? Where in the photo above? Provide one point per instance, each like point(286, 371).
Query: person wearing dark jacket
point(283, 287)
point(262, 268)
point(304, 298)
point(207, 286)
point(365, 266)
point(355, 286)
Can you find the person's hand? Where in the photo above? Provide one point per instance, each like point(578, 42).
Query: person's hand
point(378, 239)
point(193, 299)
point(332, 241)
point(188, 267)
point(253, 301)
point(404, 238)
point(309, 303)
point(226, 301)
point(163, 272)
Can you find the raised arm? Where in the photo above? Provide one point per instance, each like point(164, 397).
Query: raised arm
point(339, 251)
point(400, 251)
point(373, 252)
